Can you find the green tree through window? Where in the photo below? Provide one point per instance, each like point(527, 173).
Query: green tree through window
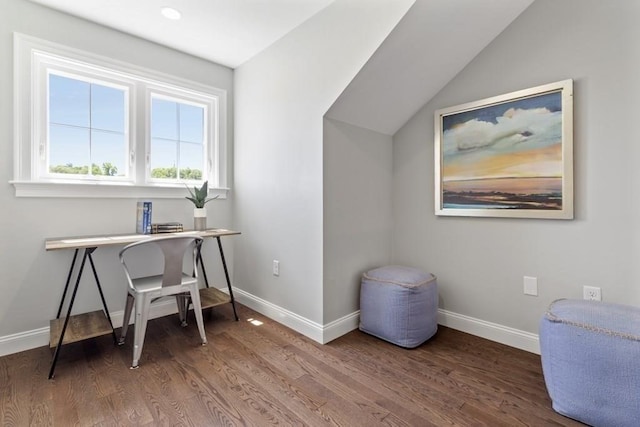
point(107, 169)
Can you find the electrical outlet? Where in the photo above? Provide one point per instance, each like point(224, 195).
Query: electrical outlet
point(530, 286)
point(591, 293)
point(276, 267)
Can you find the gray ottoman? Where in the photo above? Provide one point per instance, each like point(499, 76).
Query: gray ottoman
point(399, 304)
point(591, 361)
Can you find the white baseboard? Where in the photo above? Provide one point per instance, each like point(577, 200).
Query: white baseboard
point(491, 331)
point(341, 326)
point(288, 318)
point(323, 334)
point(308, 328)
point(320, 333)
point(15, 343)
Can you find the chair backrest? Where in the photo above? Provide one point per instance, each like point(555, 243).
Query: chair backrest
point(174, 249)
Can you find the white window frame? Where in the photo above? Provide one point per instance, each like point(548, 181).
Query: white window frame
point(33, 55)
point(210, 131)
point(43, 66)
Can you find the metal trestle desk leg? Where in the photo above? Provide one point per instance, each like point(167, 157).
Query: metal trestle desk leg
point(226, 275)
point(87, 254)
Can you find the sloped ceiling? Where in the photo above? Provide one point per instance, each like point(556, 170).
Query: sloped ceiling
point(433, 42)
point(227, 32)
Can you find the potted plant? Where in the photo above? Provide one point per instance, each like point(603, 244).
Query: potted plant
point(199, 198)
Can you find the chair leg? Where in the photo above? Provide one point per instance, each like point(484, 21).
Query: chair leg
point(181, 300)
point(126, 319)
point(197, 310)
point(142, 316)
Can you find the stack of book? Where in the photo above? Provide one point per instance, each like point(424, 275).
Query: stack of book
point(166, 227)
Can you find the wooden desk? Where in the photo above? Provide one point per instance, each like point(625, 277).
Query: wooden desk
point(94, 324)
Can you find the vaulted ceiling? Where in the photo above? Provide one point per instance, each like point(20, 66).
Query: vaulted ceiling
point(227, 32)
point(433, 42)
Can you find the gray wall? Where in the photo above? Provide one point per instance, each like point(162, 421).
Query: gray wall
point(32, 279)
point(281, 96)
point(480, 262)
point(357, 212)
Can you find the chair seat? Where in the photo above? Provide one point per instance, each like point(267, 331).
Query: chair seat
point(154, 283)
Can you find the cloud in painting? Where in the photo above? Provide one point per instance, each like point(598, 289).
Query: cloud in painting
point(517, 129)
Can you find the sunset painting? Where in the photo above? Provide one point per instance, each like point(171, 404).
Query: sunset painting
point(504, 156)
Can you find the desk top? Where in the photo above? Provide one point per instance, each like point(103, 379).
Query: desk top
point(123, 239)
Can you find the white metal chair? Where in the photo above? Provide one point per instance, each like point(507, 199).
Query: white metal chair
point(173, 281)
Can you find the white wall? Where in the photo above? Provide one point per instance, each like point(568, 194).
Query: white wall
point(480, 262)
point(357, 212)
point(32, 279)
point(281, 96)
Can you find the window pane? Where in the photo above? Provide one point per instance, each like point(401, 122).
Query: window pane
point(163, 158)
point(191, 160)
point(164, 119)
point(177, 126)
point(68, 150)
point(107, 108)
point(108, 152)
point(68, 101)
point(191, 123)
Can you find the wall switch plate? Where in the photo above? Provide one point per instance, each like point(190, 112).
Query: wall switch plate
point(591, 293)
point(530, 286)
point(276, 267)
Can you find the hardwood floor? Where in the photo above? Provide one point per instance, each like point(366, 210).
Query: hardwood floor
point(262, 375)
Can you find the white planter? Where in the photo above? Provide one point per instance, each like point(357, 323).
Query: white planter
point(200, 219)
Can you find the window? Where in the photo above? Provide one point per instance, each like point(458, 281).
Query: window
point(87, 129)
point(91, 126)
point(177, 139)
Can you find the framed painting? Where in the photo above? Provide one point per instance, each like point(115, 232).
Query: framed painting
point(507, 156)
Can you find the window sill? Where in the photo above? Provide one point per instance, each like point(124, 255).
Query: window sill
point(105, 190)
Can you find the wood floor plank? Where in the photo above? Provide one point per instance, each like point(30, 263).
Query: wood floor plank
point(330, 369)
point(429, 404)
point(340, 404)
point(230, 390)
point(90, 409)
point(219, 408)
point(515, 384)
point(273, 347)
point(429, 371)
point(484, 416)
point(278, 382)
point(265, 374)
point(12, 412)
point(376, 388)
point(258, 403)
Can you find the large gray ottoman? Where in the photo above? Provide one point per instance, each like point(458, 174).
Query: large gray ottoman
point(399, 304)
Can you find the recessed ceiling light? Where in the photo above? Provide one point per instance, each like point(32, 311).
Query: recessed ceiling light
point(171, 13)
